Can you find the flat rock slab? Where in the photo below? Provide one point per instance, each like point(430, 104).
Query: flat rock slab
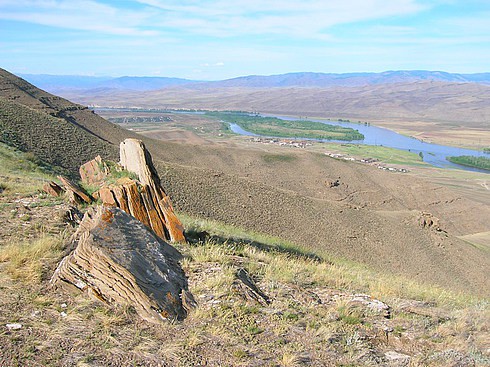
point(120, 261)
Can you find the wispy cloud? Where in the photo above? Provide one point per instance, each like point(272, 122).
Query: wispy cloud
point(225, 38)
point(84, 15)
point(307, 18)
point(215, 18)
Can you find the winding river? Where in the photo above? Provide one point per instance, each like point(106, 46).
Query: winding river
point(433, 154)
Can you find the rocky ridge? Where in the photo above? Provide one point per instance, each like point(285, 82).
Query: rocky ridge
point(133, 186)
point(119, 253)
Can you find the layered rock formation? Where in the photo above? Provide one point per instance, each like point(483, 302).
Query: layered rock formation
point(119, 251)
point(133, 186)
point(135, 158)
point(119, 261)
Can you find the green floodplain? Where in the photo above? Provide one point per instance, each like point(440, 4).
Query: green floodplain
point(273, 126)
point(470, 161)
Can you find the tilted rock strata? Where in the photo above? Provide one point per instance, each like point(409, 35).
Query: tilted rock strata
point(135, 158)
point(76, 195)
point(117, 259)
point(53, 189)
point(144, 198)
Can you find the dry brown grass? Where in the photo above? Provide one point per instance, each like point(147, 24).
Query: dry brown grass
point(31, 261)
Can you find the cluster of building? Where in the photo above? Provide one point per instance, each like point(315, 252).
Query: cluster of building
point(370, 161)
point(283, 142)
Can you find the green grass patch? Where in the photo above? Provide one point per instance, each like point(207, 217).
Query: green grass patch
point(470, 161)
point(275, 127)
point(21, 172)
point(383, 154)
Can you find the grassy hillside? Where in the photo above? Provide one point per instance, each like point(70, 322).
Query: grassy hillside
point(55, 130)
point(371, 217)
point(318, 312)
point(52, 139)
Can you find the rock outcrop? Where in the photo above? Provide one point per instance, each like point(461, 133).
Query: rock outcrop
point(94, 172)
point(53, 189)
point(134, 187)
point(135, 158)
point(427, 220)
point(119, 261)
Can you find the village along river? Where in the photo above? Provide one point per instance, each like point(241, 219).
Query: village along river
point(433, 154)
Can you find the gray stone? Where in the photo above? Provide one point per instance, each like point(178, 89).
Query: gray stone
point(120, 261)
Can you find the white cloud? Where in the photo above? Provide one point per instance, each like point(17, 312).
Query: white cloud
point(85, 15)
point(306, 18)
point(216, 18)
point(216, 64)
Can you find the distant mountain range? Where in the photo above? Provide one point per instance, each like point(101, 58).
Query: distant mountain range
point(55, 83)
point(52, 83)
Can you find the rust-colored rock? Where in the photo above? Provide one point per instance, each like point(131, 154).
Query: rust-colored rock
point(143, 198)
point(106, 195)
point(135, 158)
point(136, 206)
point(53, 189)
point(119, 261)
point(75, 193)
point(121, 198)
point(94, 172)
point(154, 216)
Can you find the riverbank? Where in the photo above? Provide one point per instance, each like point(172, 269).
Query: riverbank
point(431, 153)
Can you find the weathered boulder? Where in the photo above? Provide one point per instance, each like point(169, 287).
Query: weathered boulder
point(119, 261)
point(94, 172)
point(53, 189)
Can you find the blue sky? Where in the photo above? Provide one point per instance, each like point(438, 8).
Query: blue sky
point(218, 39)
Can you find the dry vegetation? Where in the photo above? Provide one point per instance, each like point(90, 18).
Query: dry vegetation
point(312, 319)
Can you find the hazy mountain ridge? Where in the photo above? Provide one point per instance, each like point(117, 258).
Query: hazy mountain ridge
point(140, 83)
point(54, 83)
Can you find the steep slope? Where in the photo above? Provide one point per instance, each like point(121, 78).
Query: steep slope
point(56, 130)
